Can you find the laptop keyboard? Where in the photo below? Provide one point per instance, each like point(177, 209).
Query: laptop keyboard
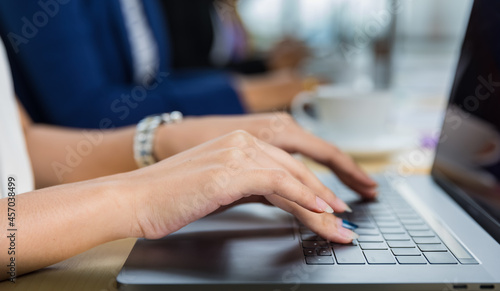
point(390, 232)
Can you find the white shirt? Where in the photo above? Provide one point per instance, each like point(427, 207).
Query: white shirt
point(14, 160)
point(144, 48)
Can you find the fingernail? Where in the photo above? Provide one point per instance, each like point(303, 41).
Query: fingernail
point(323, 205)
point(349, 225)
point(344, 206)
point(347, 233)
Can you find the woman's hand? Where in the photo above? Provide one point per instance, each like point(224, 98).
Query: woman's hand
point(277, 129)
point(188, 186)
point(288, 53)
point(272, 90)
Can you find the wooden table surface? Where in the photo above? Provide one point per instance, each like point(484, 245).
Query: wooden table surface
point(96, 269)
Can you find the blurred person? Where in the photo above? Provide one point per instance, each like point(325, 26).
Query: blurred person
point(100, 64)
point(210, 33)
point(62, 221)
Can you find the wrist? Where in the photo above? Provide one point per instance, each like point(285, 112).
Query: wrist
point(122, 203)
point(172, 139)
point(164, 144)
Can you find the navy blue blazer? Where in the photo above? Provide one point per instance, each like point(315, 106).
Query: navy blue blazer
point(72, 66)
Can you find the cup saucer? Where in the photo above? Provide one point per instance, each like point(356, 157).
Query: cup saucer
point(377, 147)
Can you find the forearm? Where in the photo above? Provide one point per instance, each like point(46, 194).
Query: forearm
point(56, 223)
point(62, 155)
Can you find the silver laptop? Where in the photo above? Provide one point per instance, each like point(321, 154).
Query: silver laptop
point(436, 232)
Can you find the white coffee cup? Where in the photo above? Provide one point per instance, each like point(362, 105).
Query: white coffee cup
point(344, 114)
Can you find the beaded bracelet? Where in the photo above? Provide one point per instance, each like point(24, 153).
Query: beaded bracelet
point(145, 135)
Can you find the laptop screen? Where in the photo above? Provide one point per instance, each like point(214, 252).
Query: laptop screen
point(467, 162)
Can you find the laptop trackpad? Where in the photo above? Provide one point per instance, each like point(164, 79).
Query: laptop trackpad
point(244, 242)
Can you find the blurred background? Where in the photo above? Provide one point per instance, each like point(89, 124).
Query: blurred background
point(352, 41)
point(409, 47)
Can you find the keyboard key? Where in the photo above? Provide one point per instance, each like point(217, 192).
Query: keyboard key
point(417, 227)
point(404, 210)
point(353, 243)
point(324, 252)
point(426, 240)
point(401, 244)
point(359, 219)
point(378, 211)
point(383, 214)
point(396, 237)
point(407, 216)
point(392, 223)
point(357, 207)
point(411, 260)
point(426, 233)
point(390, 218)
point(365, 224)
point(348, 255)
point(375, 206)
point(358, 216)
point(409, 221)
point(379, 257)
point(305, 230)
point(314, 244)
point(440, 258)
point(373, 246)
point(432, 248)
point(392, 230)
point(319, 260)
point(311, 237)
point(370, 238)
point(368, 231)
point(309, 252)
point(470, 261)
point(398, 203)
point(405, 251)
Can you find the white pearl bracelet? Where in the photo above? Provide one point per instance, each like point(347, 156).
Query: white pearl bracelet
point(145, 135)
